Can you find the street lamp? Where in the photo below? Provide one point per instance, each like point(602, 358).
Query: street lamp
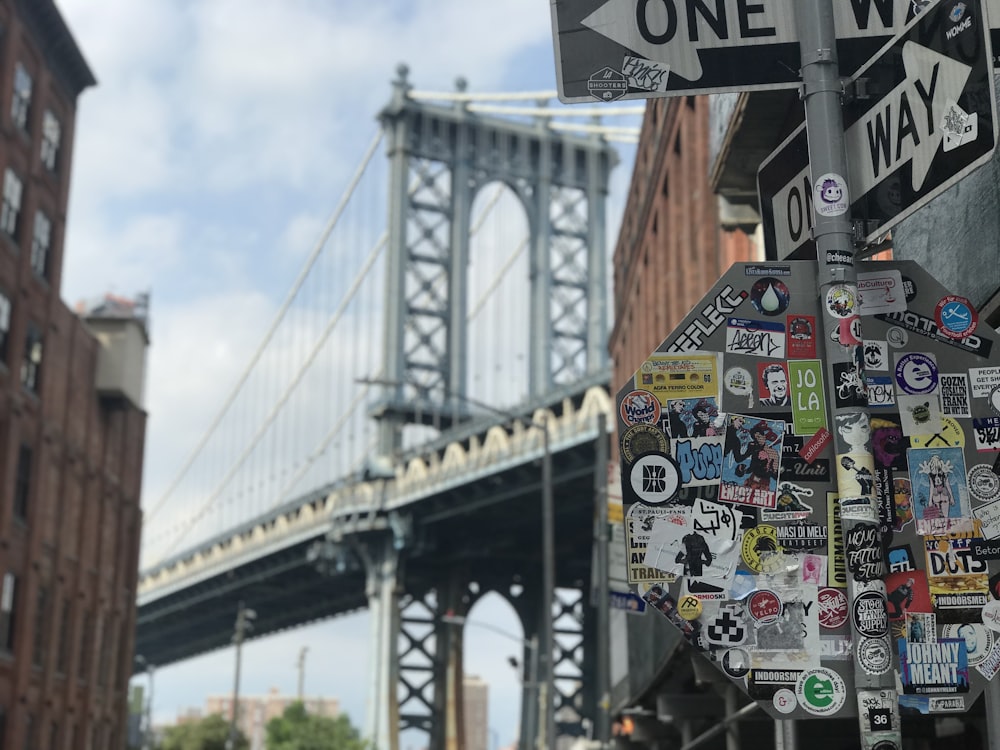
point(147, 718)
point(532, 684)
point(244, 616)
point(547, 688)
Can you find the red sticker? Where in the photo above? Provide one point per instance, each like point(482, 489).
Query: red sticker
point(764, 606)
point(850, 331)
point(640, 407)
point(815, 445)
point(956, 317)
point(832, 608)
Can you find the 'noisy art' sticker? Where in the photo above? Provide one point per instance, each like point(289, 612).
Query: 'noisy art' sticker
point(831, 198)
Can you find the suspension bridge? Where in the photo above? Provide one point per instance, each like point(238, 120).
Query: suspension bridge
point(445, 338)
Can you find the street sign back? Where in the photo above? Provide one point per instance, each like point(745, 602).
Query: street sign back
point(927, 120)
point(635, 49)
point(734, 528)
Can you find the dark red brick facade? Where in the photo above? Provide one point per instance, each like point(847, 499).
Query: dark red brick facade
point(70, 461)
point(671, 248)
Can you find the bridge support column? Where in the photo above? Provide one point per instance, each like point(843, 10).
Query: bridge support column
point(384, 575)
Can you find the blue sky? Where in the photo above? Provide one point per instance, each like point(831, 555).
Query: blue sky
point(219, 138)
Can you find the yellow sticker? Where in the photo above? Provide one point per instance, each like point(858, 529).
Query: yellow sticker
point(759, 545)
point(689, 607)
point(952, 435)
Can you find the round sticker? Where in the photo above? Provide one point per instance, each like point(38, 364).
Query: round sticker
point(689, 607)
point(978, 639)
point(951, 434)
point(832, 608)
point(842, 300)
point(655, 478)
point(831, 197)
point(821, 691)
point(640, 407)
point(897, 337)
point(736, 663)
point(764, 606)
point(784, 700)
point(995, 399)
point(870, 614)
point(991, 614)
point(769, 296)
point(956, 317)
point(738, 381)
point(643, 438)
point(916, 374)
point(984, 484)
point(759, 543)
point(874, 655)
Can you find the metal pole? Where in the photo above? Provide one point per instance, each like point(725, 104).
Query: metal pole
point(840, 306)
point(536, 705)
point(603, 725)
point(547, 650)
point(238, 640)
point(784, 734)
point(302, 670)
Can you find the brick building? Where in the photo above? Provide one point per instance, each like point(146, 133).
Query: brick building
point(71, 424)
point(256, 711)
point(672, 246)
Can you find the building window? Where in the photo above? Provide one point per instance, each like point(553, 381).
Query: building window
point(62, 648)
point(21, 102)
point(40, 243)
point(11, 202)
point(5, 307)
point(51, 136)
point(31, 367)
point(41, 617)
point(22, 482)
point(8, 599)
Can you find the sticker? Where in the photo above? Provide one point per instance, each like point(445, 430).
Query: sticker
point(900, 559)
point(764, 606)
point(849, 331)
point(956, 317)
point(607, 85)
point(821, 691)
point(995, 399)
point(736, 663)
point(758, 338)
point(795, 468)
point(951, 435)
point(984, 484)
point(939, 490)
point(789, 506)
point(751, 460)
point(946, 704)
point(924, 326)
point(878, 710)
point(689, 607)
point(870, 616)
point(831, 197)
point(662, 601)
point(902, 500)
point(921, 627)
point(801, 336)
point(638, 527)
point(837, 569)
point(989, 667)
point(793, 639)
point(711, 318)
point(703, 541)
point(955, 394)
point(959, 583)
point(881, 291)
point(759, 545)
point(813, 569)
point(655, 478)
point(842, 300)
point(978, 639)
point(984, 380)
point(739, 383)
point(670, 376)
point(959, 127)
point(772, 384)
point(727, 628)
point(643, 74)
point(851, 390)
point(816, 445)
point(832, 608)
point(919, 415)
point(874, 655)
point(863, 552)
point(995, 585)
point(881, 393)
point(987, 433)
point(907, 592)
point(853, 433)
point(640, 407)
point(784, 701)
point(876, 355)
point(897, 337)
point(989, 519)
point(941, 667)
point(917, 373)
point(835, 648)
point(991, 615)
point(808, 398)
point(699, 460)
point(769, 296)
point(643, 438)
point(985, 550)
point(693, 417)
point(801, 536)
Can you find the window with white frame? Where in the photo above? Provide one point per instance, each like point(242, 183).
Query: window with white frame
point(21, 102)
point(11, 206)
point(5, 307)
point(51, 136)
point(40, 243)
point(31, 366)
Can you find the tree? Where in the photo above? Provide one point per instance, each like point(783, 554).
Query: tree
point(297, 729)
point(209, 733)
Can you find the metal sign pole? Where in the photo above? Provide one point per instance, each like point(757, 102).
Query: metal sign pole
point(840, 309)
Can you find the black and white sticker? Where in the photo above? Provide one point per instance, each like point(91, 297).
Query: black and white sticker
point(655, 478)
point(875, 655)
point(871, 615)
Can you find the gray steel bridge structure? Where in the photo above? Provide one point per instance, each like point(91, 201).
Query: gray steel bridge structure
point(426, 531)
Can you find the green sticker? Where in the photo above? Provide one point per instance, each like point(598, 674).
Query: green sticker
point(808, 398)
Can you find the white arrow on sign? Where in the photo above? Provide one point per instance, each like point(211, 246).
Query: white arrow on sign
point(902, 127)
point(675, 31)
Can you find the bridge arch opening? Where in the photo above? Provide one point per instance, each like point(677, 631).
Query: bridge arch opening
point(499, 300)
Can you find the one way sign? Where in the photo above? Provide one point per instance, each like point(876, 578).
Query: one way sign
point(928, 120)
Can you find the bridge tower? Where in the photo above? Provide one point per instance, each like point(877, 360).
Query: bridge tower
point(440, 156)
